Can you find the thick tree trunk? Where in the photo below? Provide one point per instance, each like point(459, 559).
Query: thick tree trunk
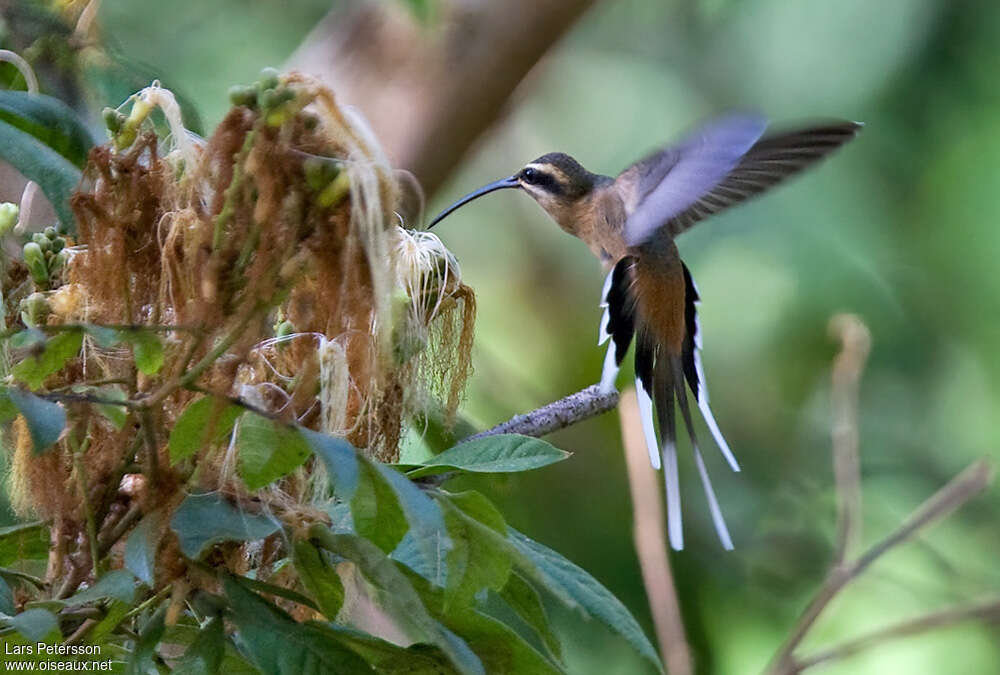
point(430, 90)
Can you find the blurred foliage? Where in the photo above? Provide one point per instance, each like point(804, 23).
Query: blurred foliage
point(900, 228)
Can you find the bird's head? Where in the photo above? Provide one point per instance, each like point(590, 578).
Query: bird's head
point(556, 181)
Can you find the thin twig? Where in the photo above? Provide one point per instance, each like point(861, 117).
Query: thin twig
point(957, 492)
point(152, 446)
point(111, 536)
point(79, 450)
point(985, 611)
point(650, 543)
point(560, 414)
point(855, 340)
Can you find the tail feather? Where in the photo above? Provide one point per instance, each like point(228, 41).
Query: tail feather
point(617, 323)
point(646, 417)
point(664, 394)
point(695, 372)
point(713, 503)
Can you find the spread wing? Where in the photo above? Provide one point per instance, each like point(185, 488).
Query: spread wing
point(722, 164)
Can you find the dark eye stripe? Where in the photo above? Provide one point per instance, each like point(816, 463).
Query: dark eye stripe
point(534, 176)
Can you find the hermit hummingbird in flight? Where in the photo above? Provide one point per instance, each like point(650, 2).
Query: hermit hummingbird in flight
point(630, 222)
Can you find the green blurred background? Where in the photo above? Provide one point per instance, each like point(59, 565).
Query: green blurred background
point(902, 228)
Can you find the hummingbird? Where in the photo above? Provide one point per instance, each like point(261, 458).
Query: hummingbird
point(630, 223)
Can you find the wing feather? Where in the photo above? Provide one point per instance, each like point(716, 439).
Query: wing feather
point(681, 185)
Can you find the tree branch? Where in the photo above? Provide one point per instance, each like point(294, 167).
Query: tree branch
point(985, 611)
point(452, 77)
point(560, 414)
point(957, 492)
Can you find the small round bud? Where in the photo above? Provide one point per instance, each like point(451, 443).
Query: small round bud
point(50, 232)
point(43, 242)
point(243, 95)
point(58, 244)
point(269, 78)
point(113, 120)
point(284, 329)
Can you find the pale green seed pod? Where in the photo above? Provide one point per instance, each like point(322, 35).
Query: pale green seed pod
point(34, 310)
point(57, 262)
point(34, 258)
point(9, 214)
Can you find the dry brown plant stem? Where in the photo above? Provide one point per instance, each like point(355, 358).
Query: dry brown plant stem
point(849, 364)
point(650, 542)
point(848, 367)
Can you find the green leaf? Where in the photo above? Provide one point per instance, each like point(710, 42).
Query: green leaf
point(60, 348)
point(28, 541)
point(35, 624)
point(375, 509)
point(527, 603)
point(206, 421)
point(340, 459)
point(204, 656)
point(475, 561)
point(425, 519)
point(592, 597)
point(29, 338)
point(115, 613)
point(147, 349)
point(268, 450)
point(36, 161)
point(116, 414)
point(8, 411)
point(504, 453)
point(116, 584)
point(387, 658)
point(321, 581)
point(280, 591)
point(6, 598)
point(50, 121)
point(383, 573)
point(45, 420)
point(277, 644)
point(501, 649)
point(143, 656)
point(205, 519)
point(104, 337)
point(140, 549)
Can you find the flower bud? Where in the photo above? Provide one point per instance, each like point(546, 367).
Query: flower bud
point(34, 258)
point(8, 217)
point(243, 95)
point(269, 78)
point(34, 310)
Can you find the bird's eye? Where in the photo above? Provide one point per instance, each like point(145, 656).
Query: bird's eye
point(530, 175)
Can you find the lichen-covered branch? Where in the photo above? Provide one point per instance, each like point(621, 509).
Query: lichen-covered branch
point(557, 415)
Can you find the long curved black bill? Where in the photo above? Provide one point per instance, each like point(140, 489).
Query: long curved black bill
point(509, 182)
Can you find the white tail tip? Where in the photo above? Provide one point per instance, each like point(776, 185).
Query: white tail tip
point(646, 417)
point(713, 504)
point(675, 528)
